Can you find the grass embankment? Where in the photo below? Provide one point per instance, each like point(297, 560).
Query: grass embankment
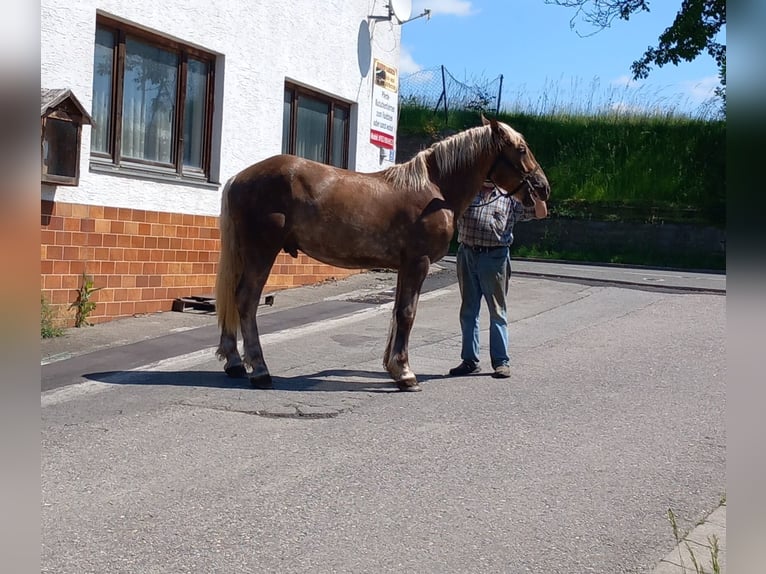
point(617, 167)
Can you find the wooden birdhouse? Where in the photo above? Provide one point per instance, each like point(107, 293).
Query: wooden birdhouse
point(62, 118)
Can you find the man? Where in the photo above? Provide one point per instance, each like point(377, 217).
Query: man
point(485, 232)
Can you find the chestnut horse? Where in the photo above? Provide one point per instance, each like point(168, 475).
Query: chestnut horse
point(399, 218)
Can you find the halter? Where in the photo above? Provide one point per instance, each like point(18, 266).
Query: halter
point(525, 176)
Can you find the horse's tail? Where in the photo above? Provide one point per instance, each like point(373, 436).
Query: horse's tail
point(229, 268)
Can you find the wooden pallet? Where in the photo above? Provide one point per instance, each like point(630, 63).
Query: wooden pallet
point(207, 303)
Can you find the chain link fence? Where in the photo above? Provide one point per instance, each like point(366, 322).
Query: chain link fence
point(437, 89)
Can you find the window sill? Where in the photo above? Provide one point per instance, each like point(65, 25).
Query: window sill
point(151, 174)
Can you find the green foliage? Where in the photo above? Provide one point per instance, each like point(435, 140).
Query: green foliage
point(83, 306)
point(49, 326)
point(615, 166)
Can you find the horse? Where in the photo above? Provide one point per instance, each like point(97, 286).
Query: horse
point(401, 218)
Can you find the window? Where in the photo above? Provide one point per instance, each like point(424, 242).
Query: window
point(315, 126)
point(152, 102)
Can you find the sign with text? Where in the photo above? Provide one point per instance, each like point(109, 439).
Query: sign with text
point(385, 106)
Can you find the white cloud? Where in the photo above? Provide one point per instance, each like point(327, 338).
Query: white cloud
point(447, 7)
point(625, 82)
point(407, 64)
point(700, 90)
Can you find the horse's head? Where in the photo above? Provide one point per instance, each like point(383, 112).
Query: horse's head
point(515, 167)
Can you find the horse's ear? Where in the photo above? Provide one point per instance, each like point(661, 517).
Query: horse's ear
point(484, 121)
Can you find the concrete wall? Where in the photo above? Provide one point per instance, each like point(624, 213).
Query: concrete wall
point(563, 234)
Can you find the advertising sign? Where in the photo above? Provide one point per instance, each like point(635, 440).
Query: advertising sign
point(385, 106)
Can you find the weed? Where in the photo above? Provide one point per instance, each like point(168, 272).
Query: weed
point(83, 305)
point(49, 327)
point(698, 568)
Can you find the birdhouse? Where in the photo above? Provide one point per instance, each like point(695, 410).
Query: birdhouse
point(62, 118)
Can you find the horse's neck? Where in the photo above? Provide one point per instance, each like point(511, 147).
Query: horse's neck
point(460, 187)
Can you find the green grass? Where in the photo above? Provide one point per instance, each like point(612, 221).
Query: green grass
point(698, 567)
point(49, 324)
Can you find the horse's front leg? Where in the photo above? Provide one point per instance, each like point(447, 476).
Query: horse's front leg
point(396, 358)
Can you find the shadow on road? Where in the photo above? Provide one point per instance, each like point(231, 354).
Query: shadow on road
point(331, 380)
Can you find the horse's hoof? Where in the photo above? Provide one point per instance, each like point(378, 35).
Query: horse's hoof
point(261, 382)
point(409, 386)
point(236, 372)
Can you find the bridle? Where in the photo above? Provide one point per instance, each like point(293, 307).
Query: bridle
point(525, 176)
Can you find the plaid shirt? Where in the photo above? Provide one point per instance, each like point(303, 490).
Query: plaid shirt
point(489, 222)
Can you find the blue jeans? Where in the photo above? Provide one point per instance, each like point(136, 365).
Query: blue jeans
point(484, 275)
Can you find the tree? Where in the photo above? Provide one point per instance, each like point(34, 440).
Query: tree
point(693, 31)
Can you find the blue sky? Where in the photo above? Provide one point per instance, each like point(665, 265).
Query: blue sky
point(533, 46)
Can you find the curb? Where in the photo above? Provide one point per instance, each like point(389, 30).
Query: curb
point(696, 548)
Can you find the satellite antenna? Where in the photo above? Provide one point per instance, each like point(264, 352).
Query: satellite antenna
point(402, 9)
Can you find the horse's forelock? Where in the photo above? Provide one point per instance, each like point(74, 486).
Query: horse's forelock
point(514, 136)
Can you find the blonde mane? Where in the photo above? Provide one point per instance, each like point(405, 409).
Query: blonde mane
point(449, 154)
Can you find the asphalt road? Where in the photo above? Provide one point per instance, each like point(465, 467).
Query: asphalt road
point(614, 413)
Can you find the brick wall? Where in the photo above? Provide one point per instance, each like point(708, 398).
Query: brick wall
point(141, 260)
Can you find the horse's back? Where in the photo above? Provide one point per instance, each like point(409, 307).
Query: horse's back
point(283, 167)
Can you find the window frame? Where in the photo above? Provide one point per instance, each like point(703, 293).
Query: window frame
point(333, 103)
point(113, 158)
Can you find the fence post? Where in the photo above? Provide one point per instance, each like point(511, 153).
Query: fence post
point(499, 94)
point(444, 91)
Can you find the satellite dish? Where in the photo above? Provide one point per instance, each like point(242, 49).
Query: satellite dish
point(402, 9)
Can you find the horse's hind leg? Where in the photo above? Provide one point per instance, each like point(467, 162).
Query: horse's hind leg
point(248, 296)
point(396, 359)
point(227, 349)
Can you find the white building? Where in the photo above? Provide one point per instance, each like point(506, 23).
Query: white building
point(182, 95)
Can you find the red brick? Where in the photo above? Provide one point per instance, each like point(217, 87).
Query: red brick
point(79, 238)
point(79, 211)
point(55, 223)
point(71, 224)
point(63, 209)
point(95, 239)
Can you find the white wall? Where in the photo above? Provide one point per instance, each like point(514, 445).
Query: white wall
point(262, 43)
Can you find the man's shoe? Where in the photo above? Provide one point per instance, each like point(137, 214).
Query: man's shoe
point(502, 372)
point(465, 368)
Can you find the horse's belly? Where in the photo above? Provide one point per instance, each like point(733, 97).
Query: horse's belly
point(358, 252)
